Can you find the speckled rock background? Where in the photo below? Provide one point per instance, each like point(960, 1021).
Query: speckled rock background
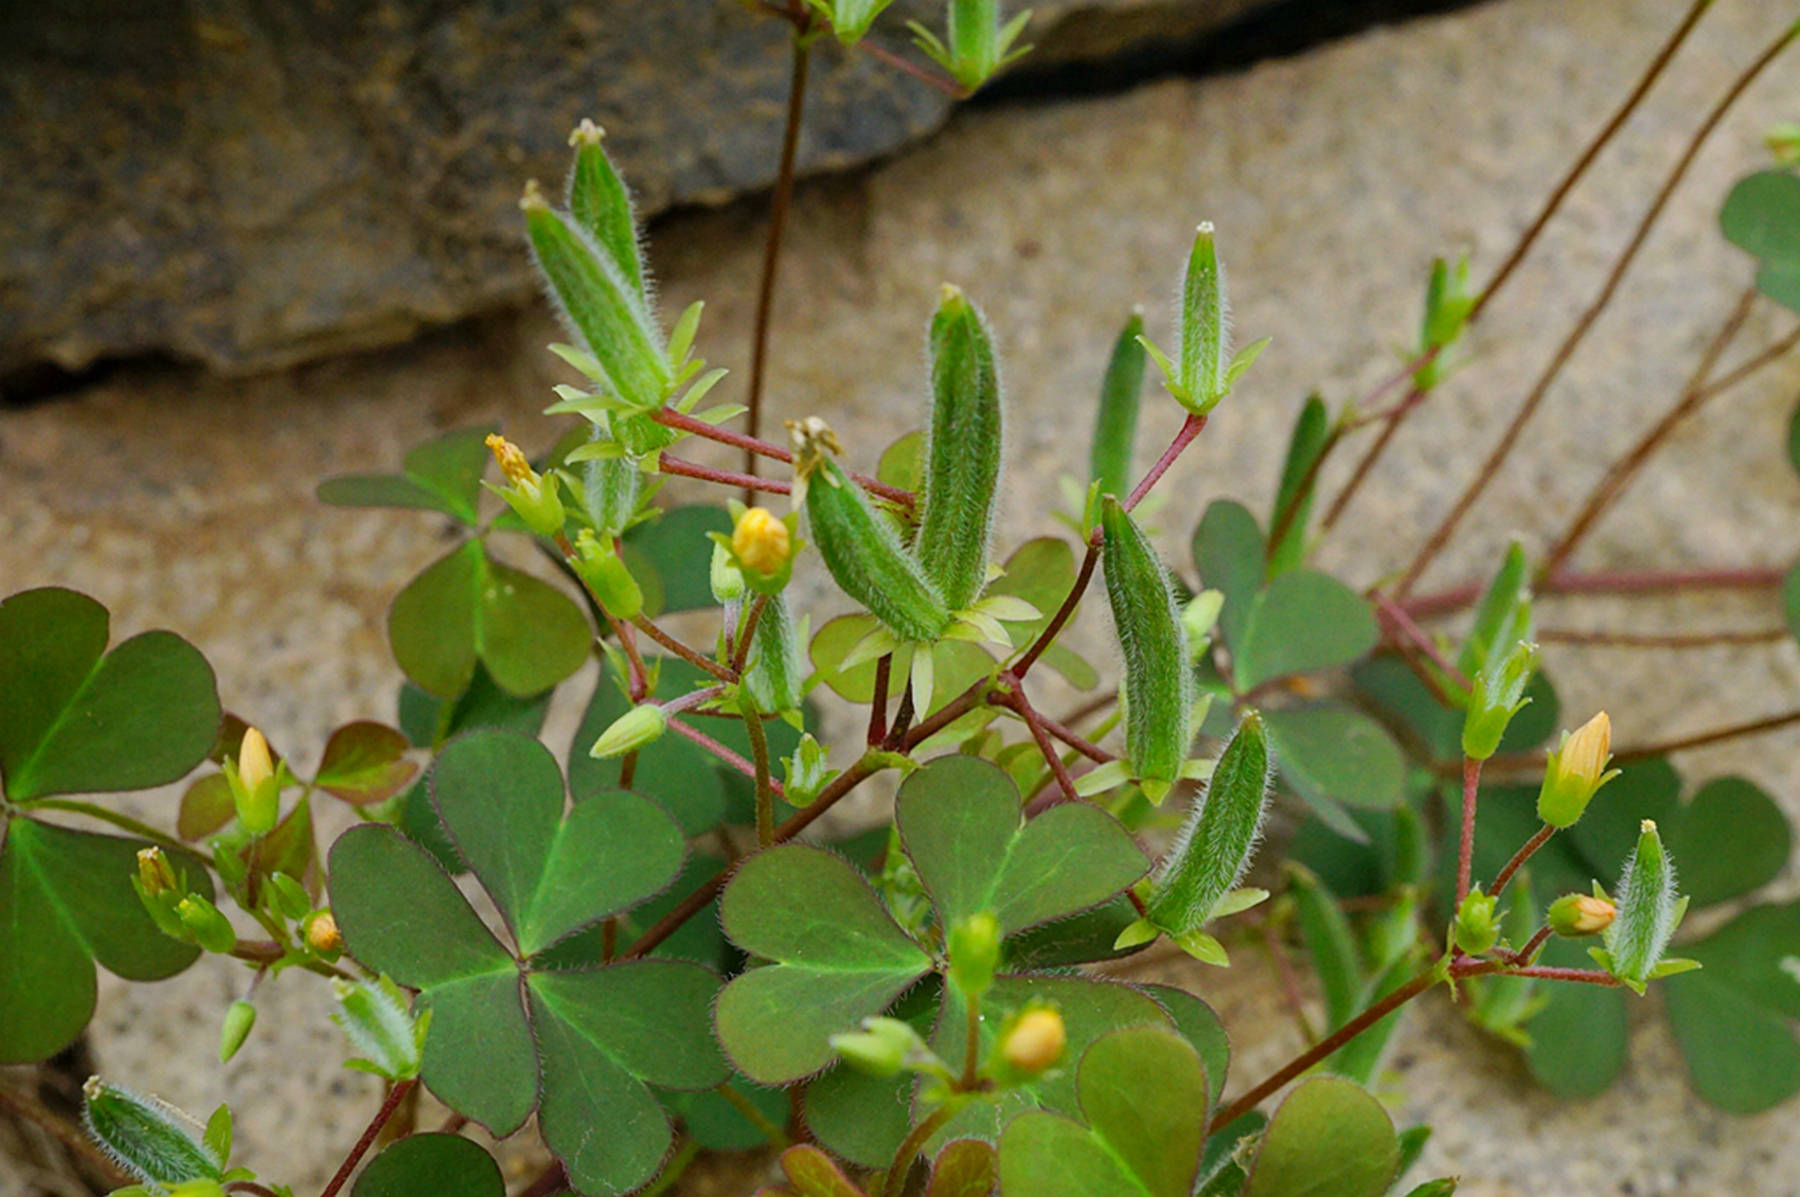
point(184, 501)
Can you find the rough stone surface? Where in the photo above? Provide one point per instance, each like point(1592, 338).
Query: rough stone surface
point(1333, 178)
point(254, 184)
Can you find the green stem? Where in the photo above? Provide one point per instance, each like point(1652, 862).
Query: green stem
point(672, 1171)
point(755, 1117)
point(123, 822)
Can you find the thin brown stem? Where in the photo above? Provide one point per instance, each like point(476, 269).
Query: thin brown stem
point(1365, 465)
point(1490, 468)
point(752, 617)
point(1465, 850)
point(1290, 511)
point(668, 417)
point(1585, 976)
point(1073, 739)
point(1751, 365)
point(1637, 752)
point(1524, 956)
point(1614, 582)
point(1403, 624)
point(1604, 639)
point(395, 1096)
point(690, 732)
point(1626, 467)
point(647, 626)
point(1072, 600)
point(779, 204)
point(1016, 701)
point(1525, 853)
point(878, 702)
point(930, 78)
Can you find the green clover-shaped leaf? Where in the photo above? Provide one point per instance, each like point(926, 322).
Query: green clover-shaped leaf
point(1144, 1094)
point(1762, 217)
point(66, 901)
point(467, 608)
point(75, 718)
point(439, 1164)
point(527, 1027)
point(1328, 1136)
point(961, 824)
point(443, 474)
point(1736, 1017)
point(1331, 754)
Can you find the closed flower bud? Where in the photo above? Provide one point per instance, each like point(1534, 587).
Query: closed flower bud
point(637, 728)
point(1576, 915)
point(210, 929)
point(606, 576)
point(806, 772)
point(1575, 771)
point(255, 765)
point(1036, 1041)
point(155, 875)
point(240, 1016)
point(974, 944)
point(290, 897)
point(1499, 694)
point(761, 542)
point(881, 1049)
point(1477, 930)
point(322, 934)
point(536, 498)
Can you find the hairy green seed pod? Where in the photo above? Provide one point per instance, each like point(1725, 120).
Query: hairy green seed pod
point(775, 674)
point(1299, 483)
point(599, 199)
point(147, 1137)
point(599, 305)
point(1158, 685)
point(962, 453)
point(1115, 424)
point(611, 485)
point(373, 1015)
point(1499, 694)
point(1648, 911)
point(1205, 322)
point(1216, 843)
point(866, 559)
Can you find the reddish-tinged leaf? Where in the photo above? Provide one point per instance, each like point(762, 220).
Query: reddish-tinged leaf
point(206, 807)
point(965, 1168)
point(365, 762)
point(812, 1174)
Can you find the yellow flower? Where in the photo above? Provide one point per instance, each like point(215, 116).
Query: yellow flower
point(1036, 1041)
point(761, 541)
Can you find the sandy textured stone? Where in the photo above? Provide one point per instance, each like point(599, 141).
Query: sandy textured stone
point(1333, 179)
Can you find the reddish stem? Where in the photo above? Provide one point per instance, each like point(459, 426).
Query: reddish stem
point(749, 482)
point(878, 702)
point(706, 664)
point(723, 753)
point(1403, 623)
point(1465, 851)
point(395, 1096)
point(1190, 428)
point(1016, 701)
point(1070, 601)
point(1524, 955)
point(668, 417)
point(1620, 582)
point(1603, 639)
point(1525, 853)
point(1586, 976)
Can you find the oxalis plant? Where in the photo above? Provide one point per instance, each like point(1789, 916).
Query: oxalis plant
point(670, 954)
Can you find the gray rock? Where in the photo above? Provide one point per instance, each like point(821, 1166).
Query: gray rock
point(251, 184)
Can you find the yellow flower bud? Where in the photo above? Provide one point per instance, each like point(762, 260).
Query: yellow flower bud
point(761, 541)
point(513, 465)
point(254, 764)
point(1036, 1042)
point(1575, 771)
point(1575, 915)
point(322, 934)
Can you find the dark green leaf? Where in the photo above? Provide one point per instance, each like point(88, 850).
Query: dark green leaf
point(1197, 1023)
point(75, 721)
point(66, 899)
point(1115, 421)
point(1338, 754)
point(1578, 1044)
point(1735, 1018)
point(838, 958)
point(717, 1125)
point(439, 1164)
point(1311, 435)
point(443, 474)
point(1762, 217)
point(433, 623)
point(1328, 1138)
point(1228, 549)
point(961, 820)
point(675, 546)
point(483, 704)
point(1303, 621)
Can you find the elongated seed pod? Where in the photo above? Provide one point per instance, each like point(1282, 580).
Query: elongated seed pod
point(866, 560)
point(774, 674)
point(612, 485)
point(600, 306)
point(374, 1017)
point(1205, 321)
point(962, 453)
point(148, 1137)
point(1158, 685)
point(599, 199)
point(1503, 617)
point(1299, 483)
point(1648, 911)
point(1115, 424)
point(1215, 844)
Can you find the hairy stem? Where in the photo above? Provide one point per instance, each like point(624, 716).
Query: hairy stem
point(1525, 853)
point(765, 788)
point(750, 483)
point(668, 417)
point(1184, 436)
point(1617, 582)
point(1465, 851)
point(647, 626)
point(1016, 701)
